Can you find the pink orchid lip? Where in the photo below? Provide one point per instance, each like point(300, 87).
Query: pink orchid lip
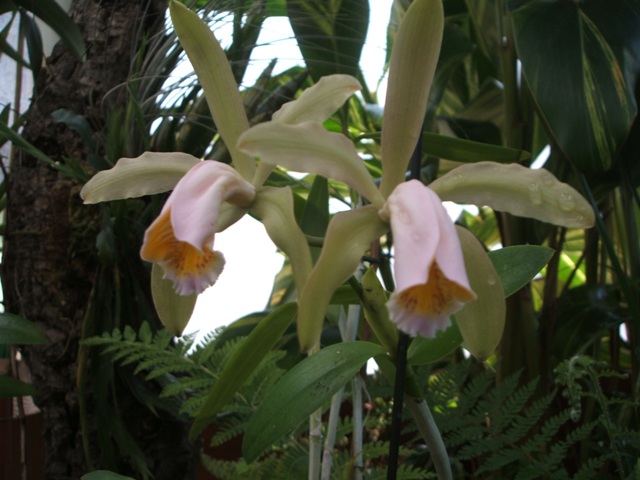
point(431, 279)
point(181, 238)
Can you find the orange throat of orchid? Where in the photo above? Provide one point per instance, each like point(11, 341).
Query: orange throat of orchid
point(439, 296)
point(192, 270)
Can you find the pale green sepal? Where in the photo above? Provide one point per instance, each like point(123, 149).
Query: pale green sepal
point(481, 321)
point(319, 102)
point(243, 362)
point(518, 190)
point(148, 174)
point(228, 215)
point(348, 237)
point(216, 78)
point(413, 63)
point(174, 310)
point(376, 313)
point(275, 208)
point(308, 147)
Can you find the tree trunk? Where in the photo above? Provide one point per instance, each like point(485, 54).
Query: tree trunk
point(49, 256)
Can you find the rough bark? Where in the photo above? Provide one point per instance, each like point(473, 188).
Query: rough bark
point(49, 258)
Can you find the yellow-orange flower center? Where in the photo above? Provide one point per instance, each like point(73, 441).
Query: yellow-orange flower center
point(180, 260)
point(438, 296)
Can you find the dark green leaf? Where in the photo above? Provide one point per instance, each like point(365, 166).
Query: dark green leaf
point(243, 362)
point(104, 475)
point(12, 387)
point(581, 61)
point(315, 217)
point(424, 351)
point(303, 390)
point(517, 265)
point(51, 13)
point(330, 34)
point(15, 330)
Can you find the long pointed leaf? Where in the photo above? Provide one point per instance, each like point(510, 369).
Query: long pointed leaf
point(243, 362)
point(301, 391)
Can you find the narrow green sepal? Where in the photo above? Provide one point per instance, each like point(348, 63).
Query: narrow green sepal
point(174, 310)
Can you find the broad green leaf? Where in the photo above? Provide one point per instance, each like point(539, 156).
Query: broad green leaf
point(581, 61)
point(518, 190)
point(413, 63)
point(104, 475)
point(330, 34)
point(243, 362)
point(516, 266)
point(301, 391)
point(218, 83)
point(148, 174)
point(348, 237)
point(51, 13)
point(481, 321)
point(174, 310)
point(12, 387)
point(315, 216)
point(465, 151)
point(15, 330)
point(424, 351)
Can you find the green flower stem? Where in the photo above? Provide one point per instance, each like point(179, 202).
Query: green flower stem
point(431, 435)
point(315, 436)
point(330, 439)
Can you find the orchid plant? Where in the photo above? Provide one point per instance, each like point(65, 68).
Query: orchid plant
point(440, 270)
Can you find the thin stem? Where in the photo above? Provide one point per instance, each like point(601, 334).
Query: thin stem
point(398, 399)
point(315, 436)
point(431, 435)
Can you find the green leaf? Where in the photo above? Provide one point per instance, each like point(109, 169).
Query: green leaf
point(104, 475)
point(243, 362)
point(581, 62)
point(15, 330)
point(330, 34)
point(516, 266)
point(301, 391)
point(50, 12)
point(424, 351)
point(12, 387)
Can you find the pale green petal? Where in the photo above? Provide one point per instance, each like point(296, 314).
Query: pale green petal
point(274, 206)
point(148, 174)
point(481, 321)
point(319, 102)
point(173, 309)
point(348, 237)
point(518, 190)
point(216, 78)
point(411, 69)
point(308, 147)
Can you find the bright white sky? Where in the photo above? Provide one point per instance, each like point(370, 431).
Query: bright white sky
point(251, 258)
